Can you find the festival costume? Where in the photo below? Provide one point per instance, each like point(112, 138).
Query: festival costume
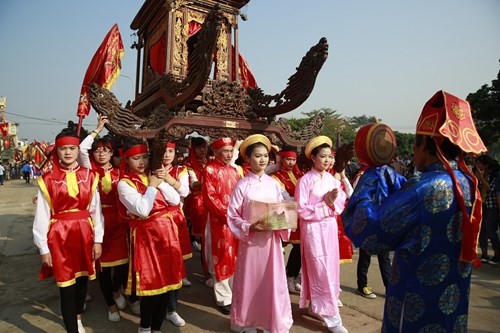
point(319, 242)
point(115, 244)
point(219, 180)
point(193, 204)
point(288, 181)
point(431, 223)
point(179, 173)
point(68, 222)
point(260, 270)
point(155, 256)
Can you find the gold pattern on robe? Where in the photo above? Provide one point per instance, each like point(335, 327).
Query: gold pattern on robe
point(106, 182)
point(72, 184)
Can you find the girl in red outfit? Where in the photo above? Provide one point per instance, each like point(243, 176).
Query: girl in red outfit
point(155, 255)
point(68, 227)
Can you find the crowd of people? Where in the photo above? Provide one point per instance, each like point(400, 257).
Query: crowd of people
point(105, 212)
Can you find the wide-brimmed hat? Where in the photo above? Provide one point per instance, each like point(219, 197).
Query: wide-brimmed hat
point(316, 142)
point(250, 140)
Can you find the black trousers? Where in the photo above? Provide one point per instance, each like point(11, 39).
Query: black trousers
point(384, 262)
point(172, 300)
point(294, 262)
point(110, 280)
point(72, 302)
point(153, 310)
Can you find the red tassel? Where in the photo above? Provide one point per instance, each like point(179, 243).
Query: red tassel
point(477, 263)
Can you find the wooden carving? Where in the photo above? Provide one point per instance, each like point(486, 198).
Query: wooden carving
point(300, 85)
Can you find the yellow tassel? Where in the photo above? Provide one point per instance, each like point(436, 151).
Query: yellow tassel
point(106, 182)
point(72, 184)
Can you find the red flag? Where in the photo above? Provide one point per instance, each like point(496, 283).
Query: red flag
point(4, 128)
point(104, 68)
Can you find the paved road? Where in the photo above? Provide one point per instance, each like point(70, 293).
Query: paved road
point(29, 305)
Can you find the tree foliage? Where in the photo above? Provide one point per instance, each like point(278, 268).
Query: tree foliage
point(485, 105)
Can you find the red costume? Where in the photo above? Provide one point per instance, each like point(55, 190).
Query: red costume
point(71, 234)
point(114, 245)
point(288, 181)
point(219, 180)
point(178, 216)
point(193, 203)
point(155, 254)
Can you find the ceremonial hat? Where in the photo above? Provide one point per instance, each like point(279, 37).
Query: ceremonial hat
point(316, 142)
point(219, 143)
point(447, 116)
point(250, 140)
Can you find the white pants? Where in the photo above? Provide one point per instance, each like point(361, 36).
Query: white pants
point(223, 290)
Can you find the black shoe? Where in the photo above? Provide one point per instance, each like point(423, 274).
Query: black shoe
point(493, 261)
point(225, 309)
point(485, 258)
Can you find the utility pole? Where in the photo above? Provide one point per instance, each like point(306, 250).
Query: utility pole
point(3, 106)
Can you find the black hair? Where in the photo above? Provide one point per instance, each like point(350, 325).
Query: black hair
point(197, 141)
point(106, 141)
point(318, 148)
point(129, 142)
point(489, 161)
point(450, 150)
point(68, 131)
point(251, 148)
point(289, 148)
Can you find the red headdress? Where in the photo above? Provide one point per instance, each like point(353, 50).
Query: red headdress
point(447, 116)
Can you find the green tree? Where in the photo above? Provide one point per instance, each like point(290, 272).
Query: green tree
point(485, 105)
point(404, 142)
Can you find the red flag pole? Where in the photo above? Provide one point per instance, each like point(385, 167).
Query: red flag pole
point(80, 120)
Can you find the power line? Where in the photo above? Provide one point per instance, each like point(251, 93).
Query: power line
point(53, 120)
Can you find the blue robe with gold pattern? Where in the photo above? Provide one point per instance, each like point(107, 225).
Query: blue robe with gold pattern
point(429, 286)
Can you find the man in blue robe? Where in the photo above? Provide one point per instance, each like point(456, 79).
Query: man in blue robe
point(431, 222)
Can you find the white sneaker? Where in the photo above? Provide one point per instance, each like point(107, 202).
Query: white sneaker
point(175, 319)
point(136, 307)
point(196, 246)
point(114, 316)
point(81, 329)
point(120, 302)
point(338, 329)
point(88, 297)
point(186, 282)
point(339, 303)
point(144, 330)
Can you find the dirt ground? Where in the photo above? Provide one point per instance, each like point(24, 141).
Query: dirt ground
point(29, 305)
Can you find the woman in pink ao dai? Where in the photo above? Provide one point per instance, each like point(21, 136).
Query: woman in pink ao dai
point(260, 293)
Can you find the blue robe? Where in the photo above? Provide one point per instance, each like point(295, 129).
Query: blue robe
point(421, 222)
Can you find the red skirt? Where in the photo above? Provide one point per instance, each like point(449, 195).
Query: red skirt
point(71, 242)
point(115, 244)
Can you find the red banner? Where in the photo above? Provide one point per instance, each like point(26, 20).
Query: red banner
point(104, 68)
point(4, 128)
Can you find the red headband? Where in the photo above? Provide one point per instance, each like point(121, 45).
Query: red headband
point(136, 150)
point(170, 145)
point(291, 154)
point(102, 144)
point(67, 140)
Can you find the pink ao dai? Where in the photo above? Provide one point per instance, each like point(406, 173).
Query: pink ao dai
point(260, 293)
point(319, 242)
